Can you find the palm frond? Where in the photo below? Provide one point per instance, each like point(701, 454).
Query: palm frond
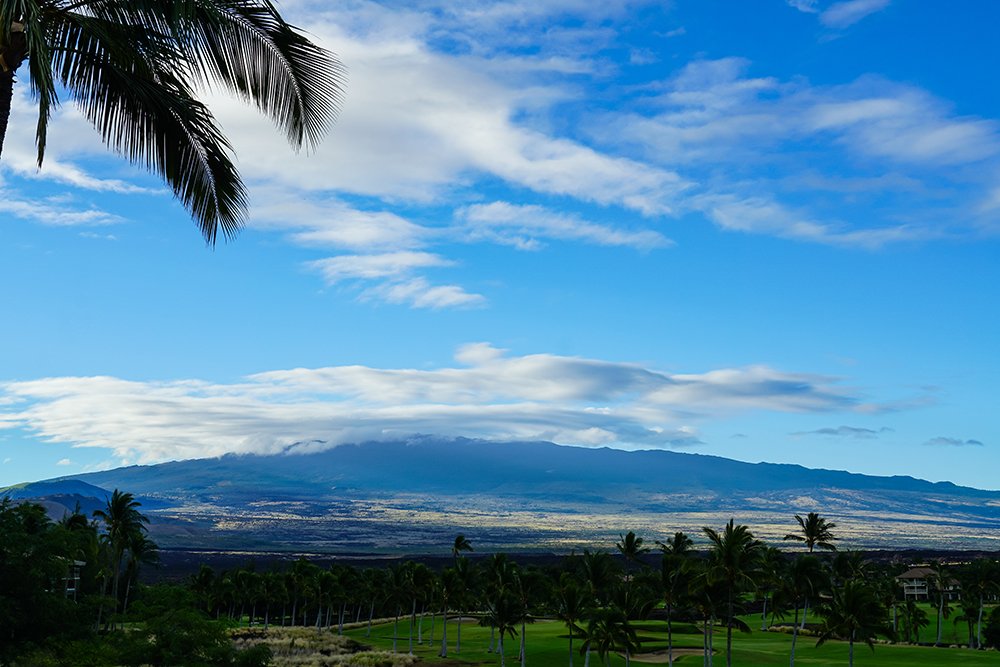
point(32, 14)
point(247, 47)
point(147, 114)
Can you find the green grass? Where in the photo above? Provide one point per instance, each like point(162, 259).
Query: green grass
point(547, 645)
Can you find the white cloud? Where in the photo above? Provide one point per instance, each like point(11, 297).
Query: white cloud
point(523, 225)
point(64, 462)
point(807, 6)
point(490, 394)
point(902, 164)
point(953, 442)
point(419, 293)
point(388, 265)
point(844, 14)
point(48, 212)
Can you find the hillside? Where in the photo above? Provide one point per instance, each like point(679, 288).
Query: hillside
point(414, 496)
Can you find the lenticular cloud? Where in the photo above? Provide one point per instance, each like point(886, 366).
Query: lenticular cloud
point(486, 394)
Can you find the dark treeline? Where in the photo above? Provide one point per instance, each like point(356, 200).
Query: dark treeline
point(68, 588)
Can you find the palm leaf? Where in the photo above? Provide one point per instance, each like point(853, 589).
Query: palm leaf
point(147, 114)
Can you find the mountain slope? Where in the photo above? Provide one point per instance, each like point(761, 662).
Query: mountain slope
point(414, 495)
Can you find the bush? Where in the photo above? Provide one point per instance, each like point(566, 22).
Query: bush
point(991, 629)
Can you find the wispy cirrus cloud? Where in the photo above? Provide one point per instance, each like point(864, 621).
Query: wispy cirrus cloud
point(885, 146)
point(528, 226)
point(857, 432)
point(474, 124)
point(53, 212)
point(845, 14)
point(942, 441)
point(487, 394)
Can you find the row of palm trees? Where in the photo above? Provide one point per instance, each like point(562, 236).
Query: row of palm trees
point(601, 596)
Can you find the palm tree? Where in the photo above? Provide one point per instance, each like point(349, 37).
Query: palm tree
point(942, 582)
point(122, 520)
point(461, 544)
point(600, 576)
point(631, 549)
point(675, 577)
point(571, 607)
point(499, 578)
point(815, 531)
point(141, 551)
point(733, 562)
point(803, 580)
point(772, 571)
point(449, 590)
point(854, 614)
point(503, 613)
point(132, 67)
point(608, 631)
point(464, 581)
point(526, 589)
point(980, 581)
point(396, 592)
point(914, 618)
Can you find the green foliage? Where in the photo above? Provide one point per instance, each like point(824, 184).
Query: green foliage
point(36, 556)
point(177, 637)
point(991, 629)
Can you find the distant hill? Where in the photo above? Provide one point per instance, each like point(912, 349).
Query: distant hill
point(413, 496)
point(61, 496)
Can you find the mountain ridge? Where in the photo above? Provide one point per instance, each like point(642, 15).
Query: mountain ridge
point(526, 495)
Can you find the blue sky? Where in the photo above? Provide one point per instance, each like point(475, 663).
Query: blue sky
point(766, 231)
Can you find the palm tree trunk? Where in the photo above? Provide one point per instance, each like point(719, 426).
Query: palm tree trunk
point(670, 638)
point(729, 632)
point(979, 625)
point(704, 644)
point(711, 643)
point(489, 649)
point(13, 56)
point(413, 621)
point(503, 658)
point(524, 658)
point(128, 589)
point(395, 630)
point(444, 634)
point(6, 97)
point(458, 632)
point(850, 651)
point(571, 647)
point(795, 634)
point(763, 616)
point(371, 612)
point(805, 612)
point(420, 626)
point(939, 619)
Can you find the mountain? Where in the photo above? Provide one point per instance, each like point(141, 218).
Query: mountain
point(414, 496)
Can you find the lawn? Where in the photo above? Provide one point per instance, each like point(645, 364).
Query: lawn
point(547, 644)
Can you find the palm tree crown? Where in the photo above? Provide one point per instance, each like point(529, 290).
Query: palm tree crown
point(815, 531)
point(132, 67)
